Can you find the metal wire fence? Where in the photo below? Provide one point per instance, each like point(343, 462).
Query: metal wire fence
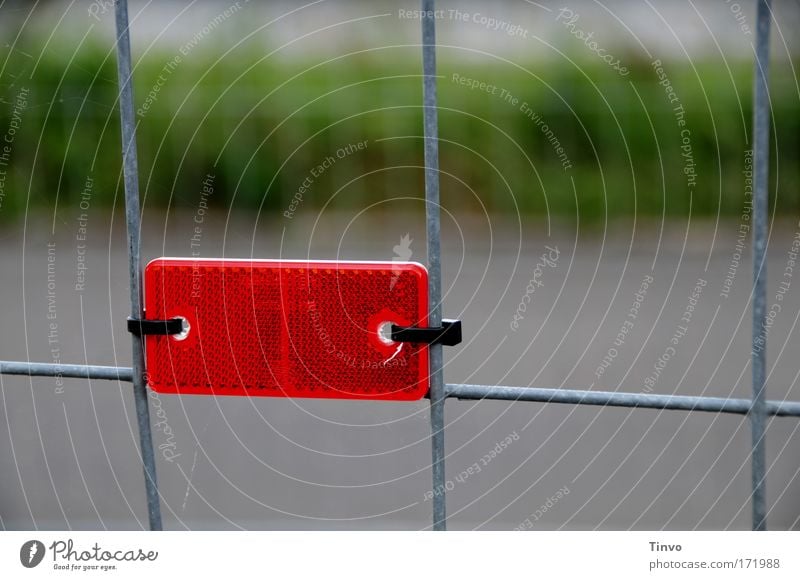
point(758, 408)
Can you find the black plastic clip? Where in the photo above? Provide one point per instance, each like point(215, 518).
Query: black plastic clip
point(448, 334)
point(156, 327)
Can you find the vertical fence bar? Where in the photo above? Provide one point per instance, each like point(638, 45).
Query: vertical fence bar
point(130, 171)
point(433, 224)
point(758, 415)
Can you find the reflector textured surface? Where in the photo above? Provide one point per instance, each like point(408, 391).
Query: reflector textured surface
point(286, 329)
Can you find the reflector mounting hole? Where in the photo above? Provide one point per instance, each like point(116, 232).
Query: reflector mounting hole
point(385, 333)
point(185, 327)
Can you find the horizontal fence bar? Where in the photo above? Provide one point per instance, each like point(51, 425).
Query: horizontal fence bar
point(613, 399)
point(472, 392)
point(66, 371)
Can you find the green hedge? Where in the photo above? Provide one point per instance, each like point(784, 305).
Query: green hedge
point(242, 119)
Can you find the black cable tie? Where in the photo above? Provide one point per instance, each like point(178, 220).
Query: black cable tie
point(448, 334)
point(155, 327)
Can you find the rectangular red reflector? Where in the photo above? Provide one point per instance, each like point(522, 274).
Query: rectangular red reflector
point(287, 328)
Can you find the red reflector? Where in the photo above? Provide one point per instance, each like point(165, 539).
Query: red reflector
point(287, 329)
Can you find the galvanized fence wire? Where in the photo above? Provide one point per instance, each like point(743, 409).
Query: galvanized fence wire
point(760, 209)
point(758, 408)
point(433, 229)
point(130, 167)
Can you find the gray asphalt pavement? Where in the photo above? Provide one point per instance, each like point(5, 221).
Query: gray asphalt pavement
point(636, 307)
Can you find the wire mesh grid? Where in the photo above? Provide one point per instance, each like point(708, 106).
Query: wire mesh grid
point(758, 408)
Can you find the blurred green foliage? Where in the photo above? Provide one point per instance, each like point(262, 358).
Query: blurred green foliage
point(261, 126)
